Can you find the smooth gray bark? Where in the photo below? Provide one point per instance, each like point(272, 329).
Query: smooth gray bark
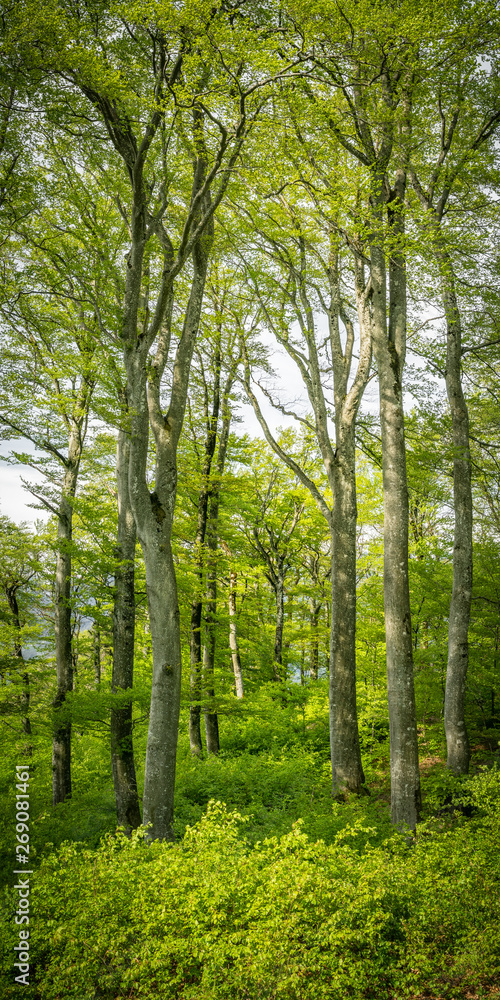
point(387, 307)
point(458, 751)
point(389, 342)
point(339, 462)
point(162, 124)
point(460, 607)
point(347, 768)
point(344, 737)
point(153, 514)
point(128, 813)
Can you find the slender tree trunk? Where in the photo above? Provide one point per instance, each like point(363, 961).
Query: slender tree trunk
point(61, 746)
point(96, 649)
point(347, 773)
point(196, 677)
point(461, 598)
point(128, 813)
point(347, 769)
point(233, 635)
point(389, 349)
point(279, 590)
point(195, 680)
point(314, 613)
point(154, 515)
point(18, 653)
point(211, 719)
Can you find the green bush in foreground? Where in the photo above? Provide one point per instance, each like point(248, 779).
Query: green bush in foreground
point(213, 918)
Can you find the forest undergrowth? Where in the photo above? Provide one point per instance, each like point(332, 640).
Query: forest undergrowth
point(271, 889)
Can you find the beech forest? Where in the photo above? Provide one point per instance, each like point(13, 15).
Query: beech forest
point(250, 578)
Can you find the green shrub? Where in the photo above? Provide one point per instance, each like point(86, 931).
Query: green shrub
point(215, 917)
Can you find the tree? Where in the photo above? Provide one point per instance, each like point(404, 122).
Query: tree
point(311, 279)
point(173, 96)
point(466, 110)
point(365, 63)
point(216, 363)
point(33, 342)
point(273, 515)
point(20, 562)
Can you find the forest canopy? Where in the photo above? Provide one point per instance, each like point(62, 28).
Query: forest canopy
point(250, 372)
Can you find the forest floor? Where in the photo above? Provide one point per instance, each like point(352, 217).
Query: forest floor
point(265, 857)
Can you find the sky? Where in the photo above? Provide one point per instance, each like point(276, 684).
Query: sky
point(15, 500)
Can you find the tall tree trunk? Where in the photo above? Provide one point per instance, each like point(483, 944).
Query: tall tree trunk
point(279, 591)
point(196, 677)
point(209, 647)
point(159, 781)
point(96, 650)
point(128, 813)
point(347, 772)
point(233, 635)
point(347, 769)
point(195, 680)
point(61, 745)
point(153, 514)
point(211, 719)
point(389, 348)
point(460, 608)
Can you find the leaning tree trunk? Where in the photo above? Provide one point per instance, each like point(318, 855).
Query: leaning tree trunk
point(128, 813)
point(347, 770)
point(61, 744)
point(389, 349)
point(460, 608)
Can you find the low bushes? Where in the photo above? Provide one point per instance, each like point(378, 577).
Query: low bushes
point(217, 918)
